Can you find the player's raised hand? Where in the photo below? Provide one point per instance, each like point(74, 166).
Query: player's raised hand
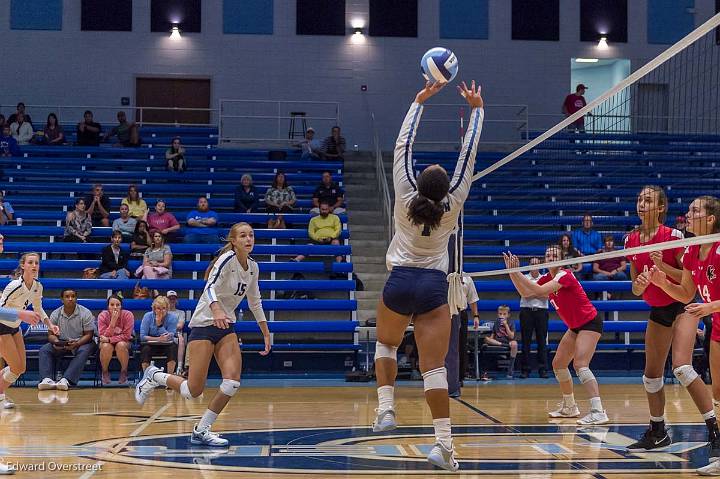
point(471, 95)
point(429, 90)
point(656, 276)
point(657, 258)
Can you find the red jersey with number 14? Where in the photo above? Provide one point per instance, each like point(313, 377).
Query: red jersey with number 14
point(653, 295)
point(705, 276)
point(570, 301)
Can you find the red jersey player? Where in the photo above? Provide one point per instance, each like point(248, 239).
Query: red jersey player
point(580, 340)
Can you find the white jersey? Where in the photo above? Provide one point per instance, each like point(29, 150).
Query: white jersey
point(415, 245)
point(227, 285)
point(17, 296)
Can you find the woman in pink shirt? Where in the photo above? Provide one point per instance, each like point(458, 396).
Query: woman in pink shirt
point(163, 221)
point(115, 327)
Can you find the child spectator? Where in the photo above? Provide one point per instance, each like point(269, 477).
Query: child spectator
point(503, 334)
point(8, 144)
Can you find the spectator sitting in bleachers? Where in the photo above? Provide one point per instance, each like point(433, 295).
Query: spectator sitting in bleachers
point(88, 131)
point(22, 130)
point(279, 198)
point(587, 240)
point(503, 334)
point(77, 327)
point(114, 261)
point(202, 222)
point(569, 251)
point(158, 333)
point(163, 221)
point(20, 109)
point(334, 145)
point(175, 156)
point(126, 132)
point(141, 239)
point(6, 210)
point(53, 133)
point(246, 198)
point(2, 121)
point(8, 144)
point(612, 269)
point(329, 192)
point(78, 224)
point(182, 316)
point(137, 205)
point(157, 261)
point(324, 229)
point(98, 206)
point(115, 328)
point(125, 224)
point(312, 149)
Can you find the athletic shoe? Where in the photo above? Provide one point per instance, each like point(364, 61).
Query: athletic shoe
point(146, 385)
point(62, 385)
point(384, 421)
point(7, 403)
point(594, 418)
point(650, 441)
point(207, 438)
point(714, 454)
point(443, 458)
point(712, 469)
point(46, 384)
point(6, 469)
point(565, 411)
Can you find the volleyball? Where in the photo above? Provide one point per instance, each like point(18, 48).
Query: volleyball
point(439, 65)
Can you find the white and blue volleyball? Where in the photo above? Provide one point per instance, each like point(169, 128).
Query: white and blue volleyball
point(439, 65)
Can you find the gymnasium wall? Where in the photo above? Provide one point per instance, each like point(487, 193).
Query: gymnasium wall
point(71, 66)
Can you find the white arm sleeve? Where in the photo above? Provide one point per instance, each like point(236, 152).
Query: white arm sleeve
point(465, 167)
point(403, 174)
point(254, 298)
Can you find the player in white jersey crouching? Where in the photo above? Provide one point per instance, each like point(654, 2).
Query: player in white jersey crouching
point(426, 213)
point(234, 275)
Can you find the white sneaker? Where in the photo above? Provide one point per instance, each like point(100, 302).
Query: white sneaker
point(46, 384)
point(62, 385)
point(146, 385)
point(565, 411)
point(384, 421)
point(6, 469)
point(443, 458)
point(6, 402)
point(594, 418)
point(712, 469)
point(207, 438)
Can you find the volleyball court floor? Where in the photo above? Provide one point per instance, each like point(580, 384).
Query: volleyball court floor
point(284, 429)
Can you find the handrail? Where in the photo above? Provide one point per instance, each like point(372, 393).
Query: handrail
point(383, 186)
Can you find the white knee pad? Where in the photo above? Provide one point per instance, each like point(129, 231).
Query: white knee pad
point(685, 374)
point(585, 375)
point(229, 387)
point(653, 385)
point(8, 376)
point(435, 379)
point(385, 351)
point(562, 375)
point(185, 390)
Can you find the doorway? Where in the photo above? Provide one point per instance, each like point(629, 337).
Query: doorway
point(173, 93)
point(599, 75)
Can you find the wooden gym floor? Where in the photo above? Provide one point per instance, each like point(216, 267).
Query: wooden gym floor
point(319, 432)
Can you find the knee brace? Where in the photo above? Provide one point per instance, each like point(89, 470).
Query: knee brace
point(685, 374)
point(435, 379)
point(9, 376)
point(585, 375)
point(385, 351)
point(562, 375)
point(229, 387)
point(653, 385)
point(185, 390)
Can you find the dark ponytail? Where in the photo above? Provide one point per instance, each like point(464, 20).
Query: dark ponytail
point(427, 208)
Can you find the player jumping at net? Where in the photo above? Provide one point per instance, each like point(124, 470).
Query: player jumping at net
point(578, 343)
point(234, 275)
point(701, 266)
point(669, 324)
point(426, 212)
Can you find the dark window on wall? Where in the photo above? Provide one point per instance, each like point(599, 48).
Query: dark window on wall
point(471, 21)
point(320, 17)
point(603, 18)
point(186, 13)
point(393, 18)
point(106, 15)
point(536, 20)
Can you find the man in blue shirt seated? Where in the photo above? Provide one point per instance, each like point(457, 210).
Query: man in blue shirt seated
point(202, 224)
point(158, 334)
point(587, 240)
point(8, 144)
